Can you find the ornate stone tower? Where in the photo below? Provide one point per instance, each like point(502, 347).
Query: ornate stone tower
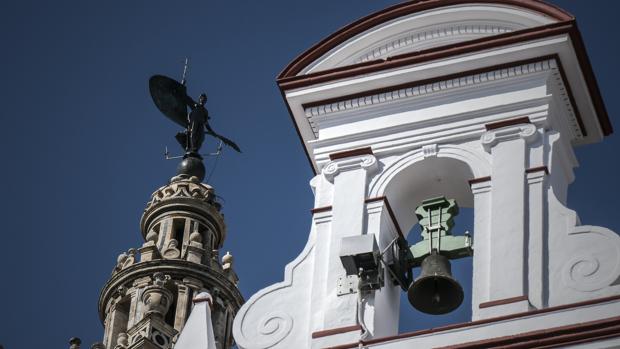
point(148, 298)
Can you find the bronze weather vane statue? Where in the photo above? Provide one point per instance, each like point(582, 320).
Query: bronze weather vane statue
point(171, 98)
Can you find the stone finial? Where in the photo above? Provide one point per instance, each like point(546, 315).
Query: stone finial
point(97, 345)
point(151, 237)
point(121, 259)
point(157, 298)
point(122, 341)
point(125, 259)
point(227, 261)
point(74, 343)
point(195, 237)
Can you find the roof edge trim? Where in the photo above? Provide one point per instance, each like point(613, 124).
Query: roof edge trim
point(347, 32)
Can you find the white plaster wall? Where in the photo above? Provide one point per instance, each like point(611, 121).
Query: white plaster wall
point(431, 139)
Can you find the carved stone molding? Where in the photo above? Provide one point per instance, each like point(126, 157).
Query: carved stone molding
point(333, 168)
point(182, 198)
point(433, 37)
point(183, 188)
point(156, 298)
point(535, 177)
point(525, 131)
point(434, 87)
point(481, 187)
point(429, 150)
point(194, 275)
point(597, 264)
point(125, 260)
point(266, 319)
point(584, 260)
point(478, 161)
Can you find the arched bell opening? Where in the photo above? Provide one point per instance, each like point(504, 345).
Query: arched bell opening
point(411, 319)
point(429, 178)
point(116, 322)
point(406, 189)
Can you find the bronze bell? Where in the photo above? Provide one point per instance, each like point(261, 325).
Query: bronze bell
point(435, 291)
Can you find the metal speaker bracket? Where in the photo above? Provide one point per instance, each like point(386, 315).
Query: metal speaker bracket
point(347, 284)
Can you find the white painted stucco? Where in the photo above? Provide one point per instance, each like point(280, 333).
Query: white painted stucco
point(431, 139)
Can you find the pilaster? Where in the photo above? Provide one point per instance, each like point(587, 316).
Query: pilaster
point(538, 236)
point(481, 189)
point(507, 249)
point(116, 324)
point(181, 312)
point(349, 176)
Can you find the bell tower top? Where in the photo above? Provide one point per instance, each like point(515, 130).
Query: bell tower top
point(148, 299)
point(410, 50)
point(188, 194)
point(478, 101)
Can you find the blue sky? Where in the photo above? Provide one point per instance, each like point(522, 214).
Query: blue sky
point(82, 144)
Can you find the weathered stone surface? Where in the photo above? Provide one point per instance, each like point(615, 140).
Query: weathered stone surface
point(148, 301)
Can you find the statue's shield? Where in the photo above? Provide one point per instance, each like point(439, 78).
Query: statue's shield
point(170, 97)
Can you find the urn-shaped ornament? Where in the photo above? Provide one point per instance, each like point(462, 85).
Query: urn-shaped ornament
point(157, 297)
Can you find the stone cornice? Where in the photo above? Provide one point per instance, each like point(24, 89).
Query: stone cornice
point(184, 188)
point(184, 195)
point(404, 93)
point(403, 42)
point(398, 11)
point(424, 134)
point(174, 268)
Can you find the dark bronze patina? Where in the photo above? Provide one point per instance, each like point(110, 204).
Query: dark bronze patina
point(435, 291)
point(171, 98)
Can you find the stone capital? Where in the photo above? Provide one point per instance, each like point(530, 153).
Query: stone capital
point(481, 187)
point(367, 162)
point(491, 138)
point(535, 177)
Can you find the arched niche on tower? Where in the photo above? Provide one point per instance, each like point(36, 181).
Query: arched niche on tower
point(431, 171)
point(456, 171)
point(173, 231)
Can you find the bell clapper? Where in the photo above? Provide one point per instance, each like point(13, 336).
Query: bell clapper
point(436, 296)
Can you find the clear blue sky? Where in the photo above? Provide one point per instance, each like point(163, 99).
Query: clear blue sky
point(82, 143)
